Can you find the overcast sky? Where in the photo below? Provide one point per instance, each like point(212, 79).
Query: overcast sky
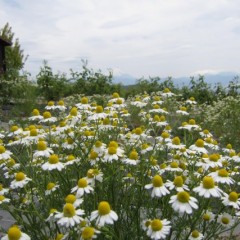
point(137, 37)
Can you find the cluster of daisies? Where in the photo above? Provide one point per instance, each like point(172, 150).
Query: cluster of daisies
point(142, 166)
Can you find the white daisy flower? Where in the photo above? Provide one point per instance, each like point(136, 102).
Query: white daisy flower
point(20, 180)
point(82, 188)
point(47, 118)
point(183, 202)
point(208, 188)
point(53, 163)
point(191, 101)
point(104, 214)
point(98, 114)
point(222, 176)
point(226, 220)
point(195, 235)
point(51, 187)
point(157, 186)
point(3, 190)
point(158, 229)
point(199, 147)
point(70, 216)
point(89, 233)
point(99, 148)
point(4, 154)
point(231, 200)
point(3, 199)
point(175, 143)
point(133, 158)
point(15, 233)
point(94, 175)
point(70, 198)
point(177, 184)
point(42, 150)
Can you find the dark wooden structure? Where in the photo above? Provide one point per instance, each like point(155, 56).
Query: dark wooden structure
point(3, 44)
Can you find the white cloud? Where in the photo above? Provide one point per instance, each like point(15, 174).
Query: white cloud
point(139, 37)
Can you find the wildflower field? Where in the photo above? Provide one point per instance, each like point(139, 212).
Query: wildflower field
point(135, 168)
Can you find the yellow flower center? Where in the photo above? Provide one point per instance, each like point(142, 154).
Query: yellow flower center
point(99, 109)
point(176, 141)
point(156, 106)
point(223, 172)
point(183, 197)
point(133, 155)
point(14, 233)
point(119, 101)
point(229, 146)
point(115, 95)
point(112, 150)
point(145, 146)
point(70, 141)
point(90, 173)
point(183, 109)
point(1, 187)
point(33, 132)
point(47, 115)
point(104, 208)
point(195, 234)
point(233, 196)
point(74, 111)
point(61, 103)
point(208, 182)
point(2, 198)
point(87, 233)
point(93, 155)
point(138, 131)
point(205, 131)
point(53, 159)
point(20, 176)
point(82, 183)
point(178, 181)
point(206, 217)
point(50, 186)
point(157, 181)
point(41, 146)
point(208, 140)
point(113, 144)
point(162, 119)
point(70, 198)
point(214, 157)
point(35, 112)
point(174, 165)
point(52, 210)
point(70, 157)
point(14, 128)
point(59, 236)
point(106, 121)
point(165, 135)
point(84, 100)
point(156, 225)
point(166, 90)
point(156, 98)
point(50, 103)
point(98, 144)
point(69, 210)
point(192, 98)
point(156, 118)
point(192, 122)
point(225, 220)
point(199, 143)
point(2, 149)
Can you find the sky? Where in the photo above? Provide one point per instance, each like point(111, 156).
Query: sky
point(141, 38)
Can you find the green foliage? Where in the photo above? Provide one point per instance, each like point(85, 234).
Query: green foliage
point(222, 117)
point(91, 82)
point(52, 86)
point(15, 58)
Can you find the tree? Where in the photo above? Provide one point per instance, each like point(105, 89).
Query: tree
point(15, 61)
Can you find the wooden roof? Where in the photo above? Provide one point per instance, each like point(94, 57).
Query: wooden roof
point(4, 42)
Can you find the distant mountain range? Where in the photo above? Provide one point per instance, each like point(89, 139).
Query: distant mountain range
point(211, 78)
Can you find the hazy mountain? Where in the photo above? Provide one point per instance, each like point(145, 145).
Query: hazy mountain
point(211, 78)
